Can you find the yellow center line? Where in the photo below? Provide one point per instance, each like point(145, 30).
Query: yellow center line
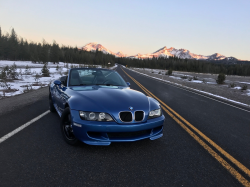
point(236, 174)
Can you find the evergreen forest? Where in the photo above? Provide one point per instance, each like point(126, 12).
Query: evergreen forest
point(14, 47)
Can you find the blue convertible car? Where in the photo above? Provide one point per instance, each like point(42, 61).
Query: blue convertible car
point(97, 107)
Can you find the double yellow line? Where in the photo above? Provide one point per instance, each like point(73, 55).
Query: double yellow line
point(187, 126)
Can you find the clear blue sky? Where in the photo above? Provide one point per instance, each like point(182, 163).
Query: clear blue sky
point(134, 26)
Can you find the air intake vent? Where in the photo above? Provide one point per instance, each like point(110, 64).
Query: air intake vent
point(126, 116)
point(139, 115)
point(117, 135)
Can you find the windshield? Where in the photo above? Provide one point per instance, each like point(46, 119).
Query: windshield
point(86, 76)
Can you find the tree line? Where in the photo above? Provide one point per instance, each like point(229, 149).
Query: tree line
point(189, 65)
point(13, 47)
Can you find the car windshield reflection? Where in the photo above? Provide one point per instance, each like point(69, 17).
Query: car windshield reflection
point(91, 77)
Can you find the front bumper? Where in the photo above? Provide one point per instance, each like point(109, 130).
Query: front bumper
point(103, 133)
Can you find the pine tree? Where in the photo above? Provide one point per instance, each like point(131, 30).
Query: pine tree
point(54, 53)
point(45, 71)
point(44, 55)
point(12, 71)
point(3, 74)
point(170, 72)
point(221, 78)
point(13, 44)
point(1, 53)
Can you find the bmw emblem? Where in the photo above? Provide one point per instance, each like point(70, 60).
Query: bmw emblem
point(131, 108)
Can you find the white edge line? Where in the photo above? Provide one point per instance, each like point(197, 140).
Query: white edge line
point(179, 86)
point(22, 127)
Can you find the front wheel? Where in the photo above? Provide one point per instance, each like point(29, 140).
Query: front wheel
point(66, 127)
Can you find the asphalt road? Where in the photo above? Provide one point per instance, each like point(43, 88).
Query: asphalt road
point(38, 156)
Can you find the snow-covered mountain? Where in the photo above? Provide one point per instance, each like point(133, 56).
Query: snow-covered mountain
point(162, 52)
point(180, 53)
point(120, 54)
point(216, 56)
point(93, 46)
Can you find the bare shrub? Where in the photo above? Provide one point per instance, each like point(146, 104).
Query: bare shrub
point(232, 85)
point(37, 77)
point(27, 70)
point(195, 78)
point(184, 77)
point(4, 84)
point(244, 87)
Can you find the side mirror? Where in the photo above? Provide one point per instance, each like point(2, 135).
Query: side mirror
point(128, 84)
point(57, 82)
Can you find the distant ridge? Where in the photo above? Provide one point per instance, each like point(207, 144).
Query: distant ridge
point(162, 52)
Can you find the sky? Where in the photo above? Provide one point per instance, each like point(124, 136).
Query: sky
point(134, 26)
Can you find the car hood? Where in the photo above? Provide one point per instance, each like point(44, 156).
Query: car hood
point(110, 99)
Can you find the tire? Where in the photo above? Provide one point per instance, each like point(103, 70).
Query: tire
point(51, 106)
point(66, 128)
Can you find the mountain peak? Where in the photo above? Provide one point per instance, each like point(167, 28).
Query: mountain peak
point(162, 52)
point(120, 54)
point(93, 46)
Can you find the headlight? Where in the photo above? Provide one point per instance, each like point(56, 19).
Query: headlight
point(95, 116)
point(154, 113)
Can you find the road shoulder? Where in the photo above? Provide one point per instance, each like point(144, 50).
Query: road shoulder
point(19, 101)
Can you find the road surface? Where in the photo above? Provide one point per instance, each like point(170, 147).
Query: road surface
point(205, 143)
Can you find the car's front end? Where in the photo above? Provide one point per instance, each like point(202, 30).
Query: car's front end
point(104, 132)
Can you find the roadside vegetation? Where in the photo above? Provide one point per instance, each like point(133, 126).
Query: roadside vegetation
point(221, 78)
point(188, 65)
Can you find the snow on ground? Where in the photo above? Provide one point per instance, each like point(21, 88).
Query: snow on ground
point(28, 81)
point(173, 77)
point(245, 82)
point(237, 87)
point(113, 67)
point(30, 64)
point(211, 83)
point(248, 93)
point(197, 81)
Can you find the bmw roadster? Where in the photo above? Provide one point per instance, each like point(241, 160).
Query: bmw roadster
point(97, 107)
